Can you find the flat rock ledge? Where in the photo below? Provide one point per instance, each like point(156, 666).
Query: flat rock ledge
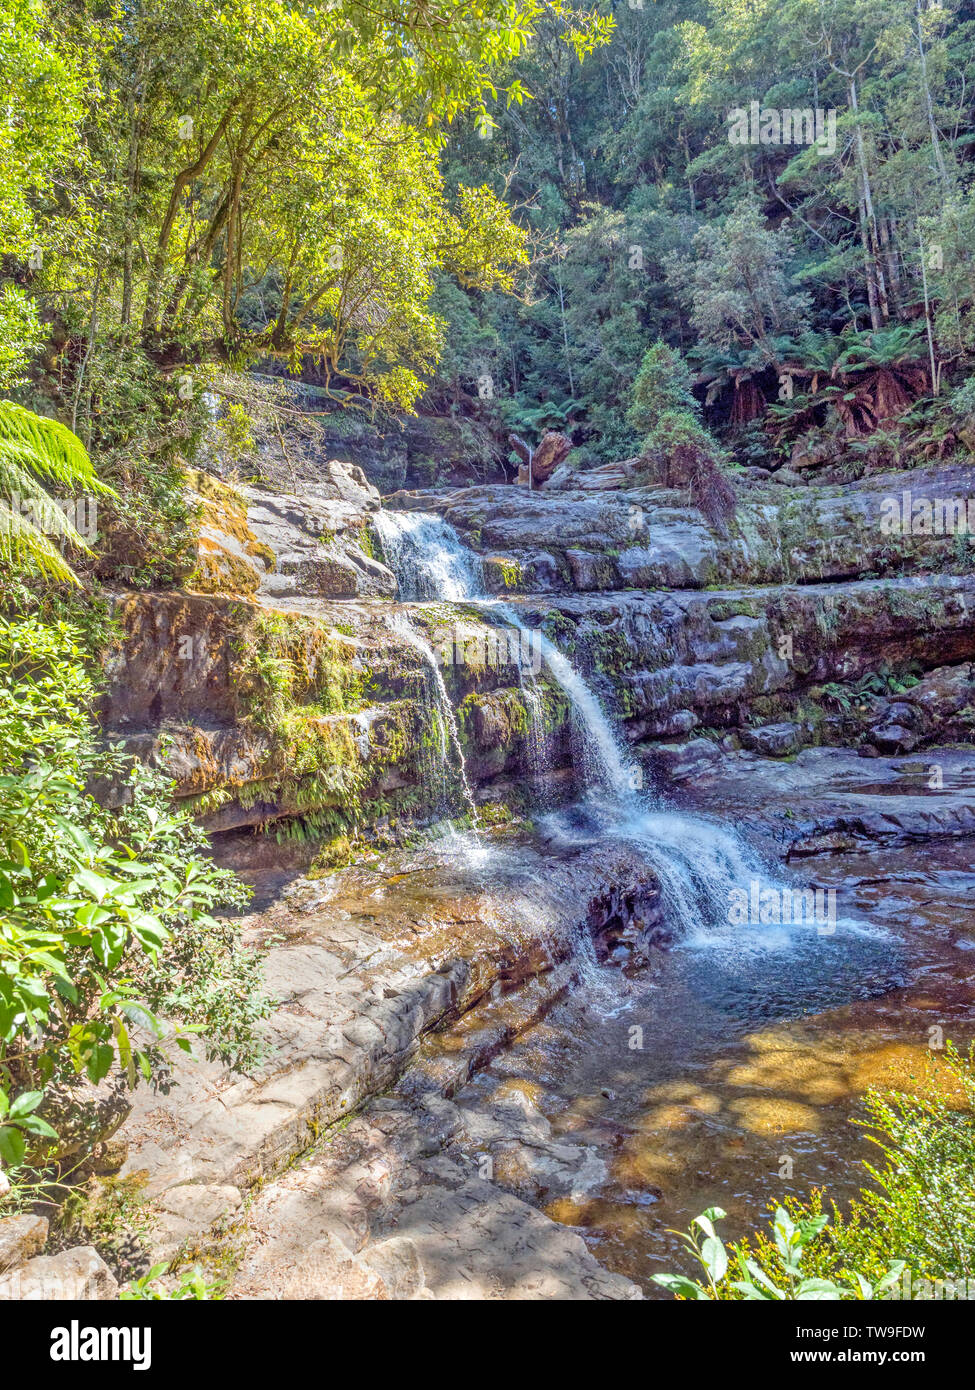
point(391, 1210)
point(363, 970)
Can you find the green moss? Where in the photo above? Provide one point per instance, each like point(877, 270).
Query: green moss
point(723, 609)
point(365, 543)
point(290, 660)
point(560, 630)
point(503, 712)
point(510, 573)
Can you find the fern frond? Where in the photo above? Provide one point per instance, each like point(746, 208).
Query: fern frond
point(21, 541)
point(33, 448)
point(55, 453)
point(29, 499)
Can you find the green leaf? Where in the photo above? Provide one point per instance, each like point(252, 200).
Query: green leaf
point(100, 1062)
point(715, 1258)
point(756, 1271)
point(12, 1146)
point(678, 1284)
point(97, 885)
point(25, 1103)
point(819, 1290)
point(35, 1125)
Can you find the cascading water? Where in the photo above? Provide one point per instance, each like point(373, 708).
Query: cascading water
point(427, 556)
point(601, 758)
point(538, 765)
point(446, 721)
point(670, 1120)
point(698, 861)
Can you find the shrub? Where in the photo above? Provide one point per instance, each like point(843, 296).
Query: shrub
point(680, 453)
point(110, 955)
point(36, 454)
point(780, 1278)
point(662, 384)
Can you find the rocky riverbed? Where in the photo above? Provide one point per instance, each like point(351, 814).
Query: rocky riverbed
point(506, 1057)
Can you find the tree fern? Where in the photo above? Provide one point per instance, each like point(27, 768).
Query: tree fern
point(31, 520)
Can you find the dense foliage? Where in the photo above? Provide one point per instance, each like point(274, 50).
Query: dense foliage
point(431, 206)
point(110, 956)
point(187, 188)
point(821, 290)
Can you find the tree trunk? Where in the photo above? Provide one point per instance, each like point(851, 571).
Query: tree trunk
point(876, 288)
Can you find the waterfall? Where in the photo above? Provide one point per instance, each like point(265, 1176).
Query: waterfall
point(538, 764)
point(698, 861)
point(602, 757)
point(431, 562)
point(427, 557)
point(446, 720)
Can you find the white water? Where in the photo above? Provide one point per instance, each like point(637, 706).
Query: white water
point(446, 724)
point(698, 861)
point(602, 759)
point(427, 557)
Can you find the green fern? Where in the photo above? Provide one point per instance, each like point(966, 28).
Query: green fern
point(36, 451)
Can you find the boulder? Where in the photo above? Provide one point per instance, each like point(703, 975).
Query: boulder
point(21, 1237)
point(894, 738)
point(551, 451)
point(229, 557)
point(774, 740)
point(80, 1273)
point(682, 762)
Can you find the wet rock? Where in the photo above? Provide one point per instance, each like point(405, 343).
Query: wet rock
point(653, 538)
point(894, 738)
point(835, 800)
point(774, 740)
point(590, 570)
point(336, 1042)
point(682, 762)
